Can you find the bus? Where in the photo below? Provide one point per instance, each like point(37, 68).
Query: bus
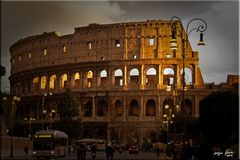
point(50, 144)
point(100, 143)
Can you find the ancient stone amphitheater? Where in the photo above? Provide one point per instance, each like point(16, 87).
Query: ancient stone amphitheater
point(118, 72)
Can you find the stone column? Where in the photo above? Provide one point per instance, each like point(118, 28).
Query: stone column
point(159, 42)
point(98, 79)
point(84, 80)
point(47, 83)
point(194, 75)
point(142, 109)
point(94, 107)
point(125, 111)
point(143, 78)
point(158, 108)
point(125, 77)
point(126, 44)
point(160, 77)
point(178, 76)
point(142, 44)
point(81, 80)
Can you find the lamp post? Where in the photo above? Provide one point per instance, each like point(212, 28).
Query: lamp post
point(168, 119)
point(43, 112)
point(30, 119)
point(53, 111)
point(177, 27)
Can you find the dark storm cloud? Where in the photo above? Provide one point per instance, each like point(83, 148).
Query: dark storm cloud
point(218, 58)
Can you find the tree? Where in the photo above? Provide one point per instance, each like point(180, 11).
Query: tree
point(219, 118)
point(68, 110)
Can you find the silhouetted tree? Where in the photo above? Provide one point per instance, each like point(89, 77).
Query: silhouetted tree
point(68, 110)
point(218, 119)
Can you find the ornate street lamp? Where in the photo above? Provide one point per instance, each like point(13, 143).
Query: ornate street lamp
point(176, 28)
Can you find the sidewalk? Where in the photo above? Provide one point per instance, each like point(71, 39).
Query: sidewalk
point(16, 153)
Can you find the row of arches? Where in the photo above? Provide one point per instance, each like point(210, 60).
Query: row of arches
point(133, 108)
point(90, 78)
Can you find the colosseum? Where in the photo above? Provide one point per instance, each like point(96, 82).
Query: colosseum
point(118, 72)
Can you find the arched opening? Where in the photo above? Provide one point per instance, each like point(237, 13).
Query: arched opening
point(168, 106)
point(118, 77)
point(89, 79)
point(35, 83)
point(168, 76)
point(134, 76)
point(187, 110)
point(134, 108)
point(118, 108)
point(88, 108)
point(151, 108)
point(76, 80)
point(103, 77)
point(64, 81)
point(52, 81)
point(151, 76)
point(188, 76)
point(43, 82)
point(101, 133)
point(102, 108)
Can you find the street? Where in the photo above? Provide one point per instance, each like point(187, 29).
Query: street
point(102, 156)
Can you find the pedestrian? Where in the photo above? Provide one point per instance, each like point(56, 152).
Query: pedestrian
point(81, 152)
point(109, 152)
point(26, 149)
point(157, 150)
point(93, 151)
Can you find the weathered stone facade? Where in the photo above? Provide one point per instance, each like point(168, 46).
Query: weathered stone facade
point(119, 73)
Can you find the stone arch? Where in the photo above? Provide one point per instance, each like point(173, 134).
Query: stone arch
point(88, 109)
point(118, 76)
point(187, 110)
point(188, 76)
point(35, 82)
point(151, 107)
point(43, 82)
point(167, 102)
point(168, 76)
point(101, 107)
point(76, 80)
point(134, 108)
point(52, 81)
point(64, 81)
point(89, 77)
point(151, 76)
point(134, 76)
point(101, 133)
point(118, 108)
point(103, 77)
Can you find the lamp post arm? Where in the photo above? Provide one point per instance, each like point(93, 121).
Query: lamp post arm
point(201, 28)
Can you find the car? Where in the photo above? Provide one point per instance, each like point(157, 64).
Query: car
point(133, 149)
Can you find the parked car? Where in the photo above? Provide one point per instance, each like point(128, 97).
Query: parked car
point(133, 149)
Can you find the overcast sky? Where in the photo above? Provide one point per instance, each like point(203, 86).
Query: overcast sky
point(218, 58)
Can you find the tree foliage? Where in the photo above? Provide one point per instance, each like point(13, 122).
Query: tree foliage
point(219, 118)
point(68, 110)
point(67, 106)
